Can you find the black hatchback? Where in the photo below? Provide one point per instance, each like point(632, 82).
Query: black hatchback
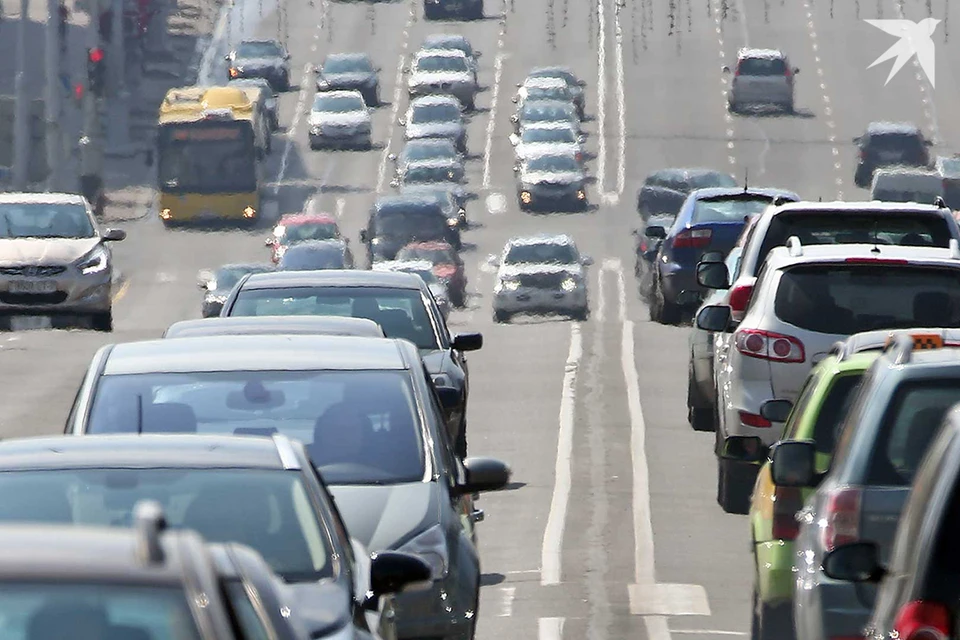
point(886, 144)
point(396, 221)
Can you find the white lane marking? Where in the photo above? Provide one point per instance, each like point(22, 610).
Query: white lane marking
point(506, 604)
point(550, 629)
point(395, 106)
point(550, 557)
point(655, 601)
point(610, 197)
point(711, 632)
point(496, 204)
point(601, 302)
point(724, 86)
point(825, 97)
point(495, 97)
point(341, 205)
point(511, 573)
point(926, 93)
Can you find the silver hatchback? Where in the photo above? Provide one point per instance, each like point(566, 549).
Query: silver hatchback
point(762, 77)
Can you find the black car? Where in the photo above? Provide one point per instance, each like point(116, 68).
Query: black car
point(664, 191)
point(463, 9)
point(257, 491)
point(400, 303)
point(342, 71)
point(452, 199)
point(216, 285)
point(266, 59)
point(396, 221)
point(312, 255)
point(889, 143)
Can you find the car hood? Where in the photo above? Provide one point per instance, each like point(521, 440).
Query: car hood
point(385, 516)
point(556, 177)
point(322, 607)
point(437, 78)
point(507, 271)
point(46, 251)
point(348, 78)
point(258, 62)
point(451, 129)
point(533, 149)
point(349, 117)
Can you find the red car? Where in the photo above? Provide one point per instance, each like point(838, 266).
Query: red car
point(447, 266)
point(298, 227)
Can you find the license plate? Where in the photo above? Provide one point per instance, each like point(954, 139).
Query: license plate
point(28, 323)
point(32, 286)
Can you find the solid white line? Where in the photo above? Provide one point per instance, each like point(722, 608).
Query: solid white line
point(550, 629)
point(601, 302)
point(601, 95)
point(550, 558)
point(506, 605)
point(395, 106)
point(621, 110)
point(492, 122)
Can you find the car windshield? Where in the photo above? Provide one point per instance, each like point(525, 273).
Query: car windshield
point(347, 65)
point(448, 43)
point(547, 93)
point(844, 299)
point(541, 253)
point(541, 113)
point(834, 227)
point(728, 210)
point(307, 231)
point(566, 76)
point(94, 610)
point(441, 255)
point(762, 67)
point(38, 220)
point(302, 258)
point(414, 226)
point(433, 173)
point(950, 166)
point(709, 180)
point(899, 195)
point(338, 104)
point(444, 112)
point(545, 134)
point(553, 163)
point(442, 64)
point(278, 521)
point(227, 277)
point(401, 313)
point(416, 152)
point(259, 50)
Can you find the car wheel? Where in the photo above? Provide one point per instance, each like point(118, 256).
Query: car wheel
point(459, 298)
point(581, 315)
point(500, 316)
point(460, 446)
point(734, 484)
point(770, 623)
point(285, 83)
point(733, 107)
point(102, 321)
point(862, 177)
point(699, 413)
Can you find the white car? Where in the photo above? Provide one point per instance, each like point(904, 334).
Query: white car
point(805, 300)
point(547, 139)
point(540, 274)
point(340, 119)
point(443, 71)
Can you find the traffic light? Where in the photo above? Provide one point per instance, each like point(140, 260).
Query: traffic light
point(95, 71)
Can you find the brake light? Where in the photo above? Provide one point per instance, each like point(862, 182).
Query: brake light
point(740, 297)
point(841, 518)
point(753, 420)
point(863, 154)
point(766, 345)
point(923, 620)
point(787, 502)
point(876, 261)
point(787, 72)
point(692, 239)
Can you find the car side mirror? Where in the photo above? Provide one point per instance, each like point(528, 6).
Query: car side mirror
point(581, 139)
point(114, 235)
point(794, 464)
point(854, 562)
point(796, 70)
point(394, 572)
point(515, 99)
point(726, 69)
point(467, 342)
point(713, 275)
point(477, 54)
point(395, 184)
point(712, 256)
point(858, 140)
point(514, 119)
point(204, 278)
point(148, 157)
point(392, 157)
point(586, 261)
point(776, 410)
point(402, 122)
point(484, 474)
point(269, 242)
point(714, 318)
point(516, 168)
point(363, 235)
point(287, 56)
point(581, 83)
point(656, 232)
point(405, 70)
point(744, 449)
point(519, 84)
point(227, 57)
point(928, 143)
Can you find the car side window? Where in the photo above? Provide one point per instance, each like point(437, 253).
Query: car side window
point(440, 326)
point(451, 463)
point(246, 621)
point(792, 424)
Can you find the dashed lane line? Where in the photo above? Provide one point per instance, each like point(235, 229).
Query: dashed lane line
point(926, 93)
point(397, 93)
point(724, 85)
point(495, 97)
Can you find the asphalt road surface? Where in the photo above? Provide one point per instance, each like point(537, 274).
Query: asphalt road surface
point(611, 529)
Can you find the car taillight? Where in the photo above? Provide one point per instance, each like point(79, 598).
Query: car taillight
point(753, 420)
point(740, 297)
point(841, 518)
point(863, 154)
point(692, 239)
point(766, 345)
point(786, 503)
point(923, 620)
point(787, 72)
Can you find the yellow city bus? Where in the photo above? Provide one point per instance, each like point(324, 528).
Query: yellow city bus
point(210, 144)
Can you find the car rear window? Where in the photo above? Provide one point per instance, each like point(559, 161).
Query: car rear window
point(836, 227)
point(920, 196)
point(844, 299)
point(912, 421)
point(762, 67)
point(826, 428)
point(727, 209)
point(891, 141)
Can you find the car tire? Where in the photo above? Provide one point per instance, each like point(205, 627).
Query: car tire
point(284, 83)
point(734, 482)
point(478, 11)
point(770, 623)
point(500, 316)
point(582, 315)
point(788, 108)
point(459, 298)
point(102, 321)
point(699, 413)
point(662, 311)
point(733, 107)
point(460, 446)
point(471, 104)
point(862, 177)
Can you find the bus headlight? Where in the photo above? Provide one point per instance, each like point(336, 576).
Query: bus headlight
point(249, 212)
point(525, 197)
point(165, 214)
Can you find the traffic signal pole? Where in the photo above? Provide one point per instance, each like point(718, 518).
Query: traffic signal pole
point(54, 97)
point(91, 143)
point(21, 131)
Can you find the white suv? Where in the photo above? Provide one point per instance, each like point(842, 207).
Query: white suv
point(805, 299)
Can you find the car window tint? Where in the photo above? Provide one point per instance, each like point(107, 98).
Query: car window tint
point(835, 405)
point(762, 67)
point(794, 420)
point(727, 210)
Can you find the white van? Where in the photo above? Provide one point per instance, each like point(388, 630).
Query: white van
point(906, 185)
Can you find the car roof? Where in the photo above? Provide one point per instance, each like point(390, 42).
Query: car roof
point(548, 104)
point(440, 53)
point(875, 341)
point(18, 197)
point(428, 142)
point(148, 451)
point(749, 52)
point(717, 192)
point(256, 353)
point(875, 128)
point(549, 124)
point(785, 257)
point(347, 56)
point(858, 207)
point(564, 152)
point(331, 278)
point(396, 265)
point(435, 162)
point(559, 238)
point(293, 219)
point(286, 325)
point(343, 93)
point(544, 81)
point(261, 41)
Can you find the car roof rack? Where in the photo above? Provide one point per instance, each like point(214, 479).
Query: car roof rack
point(901, 345)
point(940, 202)
point(149, 522)
point(794, 247)
point(839, 349)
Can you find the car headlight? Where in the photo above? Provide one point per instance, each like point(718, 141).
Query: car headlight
point(509, 285)
point(322, 84)
point(431, 546)
point(569, 284)
point(94, 262)
point(376, 241)
point(453, 222)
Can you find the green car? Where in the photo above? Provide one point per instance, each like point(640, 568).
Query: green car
point(821, 406)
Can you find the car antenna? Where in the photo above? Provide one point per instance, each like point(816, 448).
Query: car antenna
point(876, 248)
point(140, 414)
point(746, 179)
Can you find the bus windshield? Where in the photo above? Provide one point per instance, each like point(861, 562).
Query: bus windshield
point(207, 159)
